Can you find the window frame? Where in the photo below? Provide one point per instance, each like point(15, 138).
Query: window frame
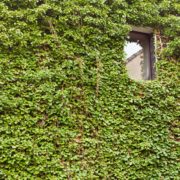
point(148, 33)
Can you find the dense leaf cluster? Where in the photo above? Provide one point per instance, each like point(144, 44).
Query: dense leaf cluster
point(68, 110)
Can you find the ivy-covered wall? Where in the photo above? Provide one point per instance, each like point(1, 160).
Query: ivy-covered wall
point(68, 109)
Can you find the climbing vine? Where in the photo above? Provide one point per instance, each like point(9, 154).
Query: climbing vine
point(68, 109)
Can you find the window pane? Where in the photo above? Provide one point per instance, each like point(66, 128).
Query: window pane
point(134, 60)
point(137, 52)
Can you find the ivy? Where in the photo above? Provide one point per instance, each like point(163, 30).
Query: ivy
point(68, 109)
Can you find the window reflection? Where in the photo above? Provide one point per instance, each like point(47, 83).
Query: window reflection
point(137, 50)
point(134, 60)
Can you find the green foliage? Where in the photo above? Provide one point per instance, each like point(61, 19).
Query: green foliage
point(67, 107)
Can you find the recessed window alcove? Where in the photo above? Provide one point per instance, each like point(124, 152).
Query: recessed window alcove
point(139, 50)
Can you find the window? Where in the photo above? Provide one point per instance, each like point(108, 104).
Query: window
point(140, 54)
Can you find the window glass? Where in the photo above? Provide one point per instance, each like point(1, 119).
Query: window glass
point(138, 58)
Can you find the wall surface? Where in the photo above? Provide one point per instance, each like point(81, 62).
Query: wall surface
point(68, 109)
